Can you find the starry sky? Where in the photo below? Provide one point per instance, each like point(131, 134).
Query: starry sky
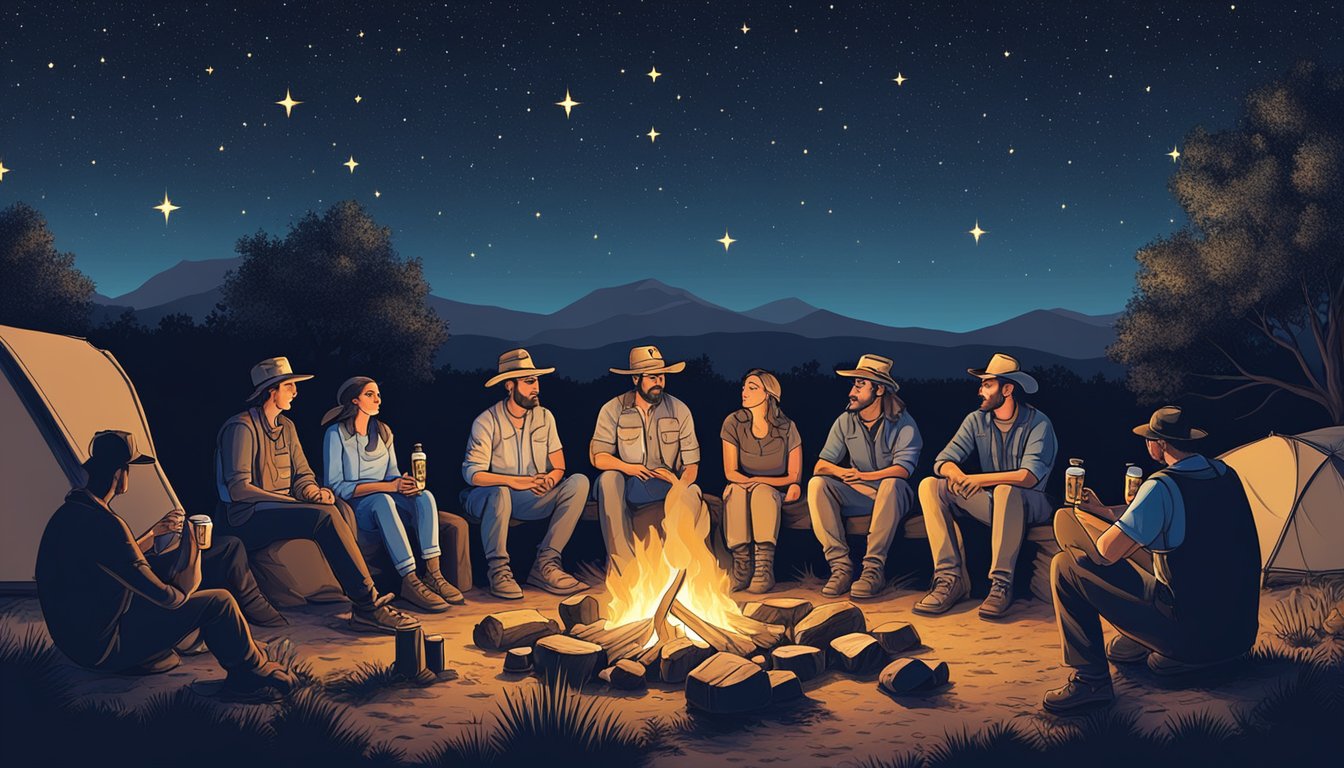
point(847, 149)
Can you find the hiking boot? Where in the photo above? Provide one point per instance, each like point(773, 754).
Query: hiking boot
point(740, 571)
point(269, 682)
point(999, 600)
point(1125, 650)
point(763, 574)
point(414, 591)
point(444, 588)
point(502, 583)
point(871, 583)
point(548, 574)
point(156, 665)
point(1078, 695)
point(947, 590)
point(842, 575)
point(378, 616)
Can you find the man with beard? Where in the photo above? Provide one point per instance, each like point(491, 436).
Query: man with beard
point(644, 440)
point(882, 443)
point(1015, 446)
point(516, 467)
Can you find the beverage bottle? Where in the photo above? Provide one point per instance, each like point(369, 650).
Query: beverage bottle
point(418, 465)
point(1133, 479)
point(1074, 478)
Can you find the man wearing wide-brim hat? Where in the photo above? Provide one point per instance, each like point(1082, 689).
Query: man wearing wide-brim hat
point(644, 439)
point(1199, 603)
point(1014, 445)
point(270, 493)
point(515, 467)
point(864, 469)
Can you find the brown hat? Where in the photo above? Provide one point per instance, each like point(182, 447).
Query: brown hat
point(648, 360)
point(1168, 423)
point(1003, 366)
point(516, 364)
point(272, 371)
point(874, 368)
point(115, 448)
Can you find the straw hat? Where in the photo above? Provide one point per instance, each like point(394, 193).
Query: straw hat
point(648, 360)
point(516, 364)
point(874, 368)
point(1006, 367)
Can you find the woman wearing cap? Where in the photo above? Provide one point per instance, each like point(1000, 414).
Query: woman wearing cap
point(361, 467)
point(763, 463)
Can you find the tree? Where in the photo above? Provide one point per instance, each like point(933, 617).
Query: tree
point(42, 289)
point(335, 294)
point(1250, 296)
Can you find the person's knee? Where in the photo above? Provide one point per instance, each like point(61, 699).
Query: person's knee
point(931, 485)
point(576, 485)
point(229, 547)
point(1004, 494)
point(733, 492)
point(817, 486)
point(424, 501)
point(381, 504)
point(328, 516)
point(217, 602)
point(763, 494)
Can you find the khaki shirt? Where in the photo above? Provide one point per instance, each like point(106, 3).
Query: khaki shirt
point(667, 440)
point(495, 446)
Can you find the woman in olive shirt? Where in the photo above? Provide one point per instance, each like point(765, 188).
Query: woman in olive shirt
point(763, 463)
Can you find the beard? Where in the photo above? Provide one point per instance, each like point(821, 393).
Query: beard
point(856, 405)
point(653, 396)
point(992, 402)
point(527, 403)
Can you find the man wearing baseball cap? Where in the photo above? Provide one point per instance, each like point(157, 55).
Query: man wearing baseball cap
point(106, 609)
point(1199, 603)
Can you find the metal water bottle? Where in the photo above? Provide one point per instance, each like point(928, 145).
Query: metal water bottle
point(418, 465)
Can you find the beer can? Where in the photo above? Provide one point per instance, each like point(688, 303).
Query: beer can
point(1074, 478)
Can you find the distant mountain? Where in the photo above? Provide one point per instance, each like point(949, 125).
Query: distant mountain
point(181, 280)
point(781, 311)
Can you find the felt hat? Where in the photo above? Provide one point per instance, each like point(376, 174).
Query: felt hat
point(272, 371)
point(648, 360)
point(1006, 367)
point(874, 368)
point(1169, 423)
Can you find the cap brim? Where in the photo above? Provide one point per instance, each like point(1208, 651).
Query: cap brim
point(521, 373)
point(673, 368)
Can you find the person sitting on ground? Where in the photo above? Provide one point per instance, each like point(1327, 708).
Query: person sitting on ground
point(1198, 603)
point(360, 466)
point(763, 463)
point(105, 608)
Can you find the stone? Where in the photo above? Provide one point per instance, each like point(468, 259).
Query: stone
point(518, 660)
point(625, 675)
point(727, 684)
point(678, 657)
point(567, 659)
point(803, 660)
point(784, 686)
point(510, 629)
point(828, 622)
point(857, 653)
point(785, 611)
point(896, 636)
point(577, 609)
point(904, 676)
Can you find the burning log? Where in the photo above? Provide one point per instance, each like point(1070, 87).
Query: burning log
point(564, 658)
point(718, 639)
point(677, 658)
point(509, 629)
point(660, 626)
point(765, 636)
point(828, 622)
point(623, 642)
point(585, 631)
point(578, 609)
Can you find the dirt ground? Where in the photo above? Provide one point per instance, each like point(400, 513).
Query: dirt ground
point(998, 670)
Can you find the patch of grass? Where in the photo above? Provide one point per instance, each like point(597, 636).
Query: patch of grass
point(364, 682)
point(998, 745)
point(1299, 618)
point(286, 654)
point(312, 730)
point(544, 720)
point(807, 578)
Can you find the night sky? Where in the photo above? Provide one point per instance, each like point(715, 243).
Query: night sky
point(1048, 123)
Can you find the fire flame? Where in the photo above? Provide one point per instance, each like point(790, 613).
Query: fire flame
point(636, 586)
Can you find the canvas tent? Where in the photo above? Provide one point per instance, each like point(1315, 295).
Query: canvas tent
point(1296, 487)
point(57, 391)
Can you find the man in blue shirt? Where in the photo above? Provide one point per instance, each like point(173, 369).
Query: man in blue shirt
point(1198, 604)
point(881, 444)
point(1015, 447)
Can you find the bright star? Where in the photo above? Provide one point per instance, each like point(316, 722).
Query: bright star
point(899, 79)
point(289, 103)
point(726, 240)
point(1173, 154)
point(568, 103)
point(3, 171)
point(376, 193)
point(358, 98)
point(166, 206)
point(350, 163)
point(977, 232)
point(745, 30)
point(654, 74)
point(209, 70)
point(653, 135)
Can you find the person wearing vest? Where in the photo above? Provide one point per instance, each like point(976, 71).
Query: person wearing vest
point(269, 493)
point(1015, 447)
point(1196, 606)
point(880, 442)
point(644, 439)
point(515, 466)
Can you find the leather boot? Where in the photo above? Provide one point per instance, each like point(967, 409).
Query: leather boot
point(763, 573)
point(740, 572)
point(842, 575)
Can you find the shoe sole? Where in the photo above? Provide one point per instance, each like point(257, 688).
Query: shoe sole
point(518, 596)
point(557, 590)
point(922, 611)
point(364, 626)
point(994, 614)
point(865, 596)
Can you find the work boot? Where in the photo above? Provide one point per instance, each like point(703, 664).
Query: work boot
point(1125, 650)
point(1078, 695)
point(269, 682)
point(999, 600)
point(871, 583)
point(378, 616)
point(548, 574)
point(502, 583)
point(947, 590)
point(414, 591)
point(842, 575)
point(740, 572)
point(443, 588)
point(763, 574)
